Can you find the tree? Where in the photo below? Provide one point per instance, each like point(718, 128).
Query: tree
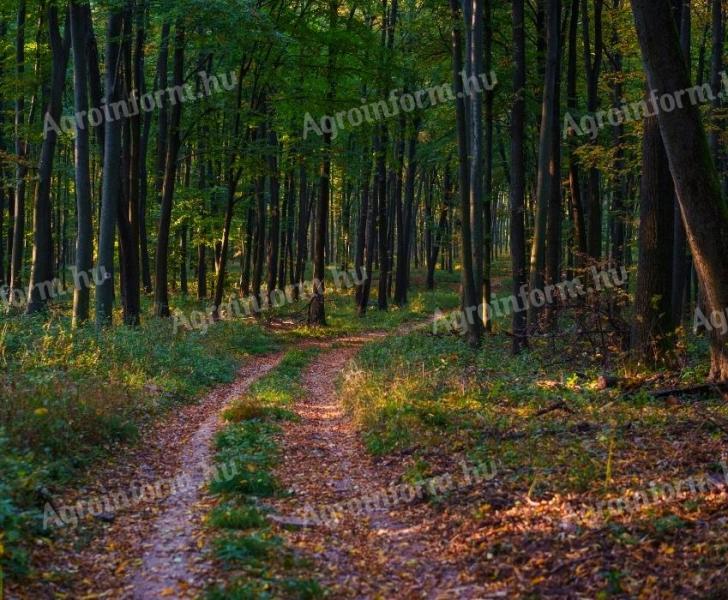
point(41, 275)
point(518, 174)
point(704, 210)
point(161, 292)
point(110, 187)
point(473, 324)
point(84, 237)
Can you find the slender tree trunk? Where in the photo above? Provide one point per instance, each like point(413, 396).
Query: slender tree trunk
point(110, 187)
point(547, 175)
point(593, 65)
point(163, 134)
point(554, 225)
point(470, 298)
point(577, 207)
point(233, 175)
point(259, 241)
point(361, 230)
point(41, 275)
point(518, 174)
point(161, 293)
point(370, 234)
point(21, 169)
point(680, 260)
point(474, 110)
point(488, 200)
point(274, 233)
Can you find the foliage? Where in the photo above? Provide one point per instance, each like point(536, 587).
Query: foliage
point(247, 541)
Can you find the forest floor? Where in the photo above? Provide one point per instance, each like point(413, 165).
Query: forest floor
point(388, 461)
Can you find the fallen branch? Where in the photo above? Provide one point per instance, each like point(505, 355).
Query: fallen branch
point(560, 405)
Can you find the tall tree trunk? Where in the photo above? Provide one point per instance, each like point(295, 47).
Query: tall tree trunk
point(161, 293)
point(681, 263)
point(703, 208)
point(653, 317)
point(470, 297)
point(577, 207)
point(142, 154)
point(304, 213)
point(233, 175)
point(488, 211)
point(593, 64)
point(474, 110)
point(554, 224)
point(41, 275)
point(547, 175)
point(619, 193)
point(259, 240)
point(163, 133)
point(370, 234)
point(110, 187)
point(361, 230)
point(317, 310)
point(21, 169)
point(518, 174)
point(274, 233)
point(128, 208)
point(409, 211)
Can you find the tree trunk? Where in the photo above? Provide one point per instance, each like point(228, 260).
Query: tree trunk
point(41, 275)
point(361, 230)
point(274, 233)
point(518, 174)
point(577, 209)
point(593, 65)
point(161, 293)
point(110, 186)
point(163, 133)
point(681, 262)
point(653, 317)
point(547, 175)
point(703, 209)
point(470, 295)
point(21, 169)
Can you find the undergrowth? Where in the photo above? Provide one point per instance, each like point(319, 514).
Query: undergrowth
point(70, 397)
point(246, 546)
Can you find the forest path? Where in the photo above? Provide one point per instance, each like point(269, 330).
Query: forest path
point(394, 551)
point(173, 563)
point(151, 546)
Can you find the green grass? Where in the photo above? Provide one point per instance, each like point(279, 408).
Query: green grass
point(422, 393)
point(341, 312)
point(259, 564)
point(70, 397)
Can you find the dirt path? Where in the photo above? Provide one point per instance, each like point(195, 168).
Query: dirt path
point(395, 552)
point(173, 563)
point(149, 549)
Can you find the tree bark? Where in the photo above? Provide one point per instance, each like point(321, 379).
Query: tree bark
point(653, 316)
point(593, 65)
point(470, 295)
point(703, 209)
point(41, 275)
point(21, 169)
point(547, 175)
point(274, 233)
point(110, 186)
point(518, 175)
point(161, 292)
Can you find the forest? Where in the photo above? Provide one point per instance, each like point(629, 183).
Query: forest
point(363, 299)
